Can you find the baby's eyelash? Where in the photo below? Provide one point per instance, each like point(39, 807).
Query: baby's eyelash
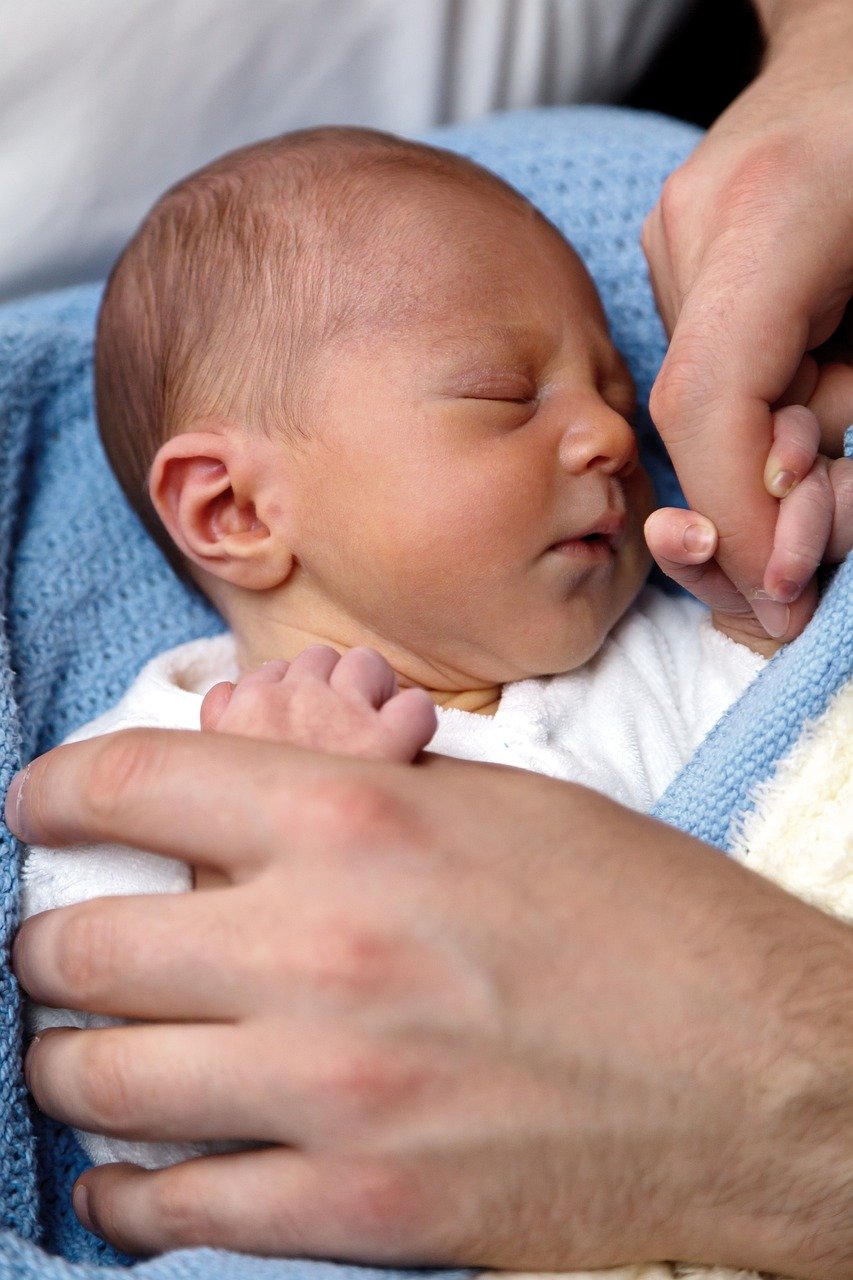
point(510, 399)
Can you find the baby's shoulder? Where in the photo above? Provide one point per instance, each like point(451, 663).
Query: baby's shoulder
point(168, 691)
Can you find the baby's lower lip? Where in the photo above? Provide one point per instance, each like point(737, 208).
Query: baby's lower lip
point(584, 548)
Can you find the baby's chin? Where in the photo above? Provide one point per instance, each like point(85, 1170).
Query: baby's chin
point(558, 654)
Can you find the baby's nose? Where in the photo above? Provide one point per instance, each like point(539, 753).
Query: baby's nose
point(599, 438)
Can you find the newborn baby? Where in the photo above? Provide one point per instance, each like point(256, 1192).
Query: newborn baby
point(363, 395)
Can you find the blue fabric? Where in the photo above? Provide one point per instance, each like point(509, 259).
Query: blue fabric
point(87, 599)
point(712, 792)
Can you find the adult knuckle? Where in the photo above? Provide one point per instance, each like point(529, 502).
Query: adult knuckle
point(385, 1206)
point(675, 202)
point(124, 765)
point(359, 1082)
point(680, 396)
point(766, 172)
point(356, 811)
point(354, 958)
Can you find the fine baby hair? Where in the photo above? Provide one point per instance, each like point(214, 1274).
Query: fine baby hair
point(238, 276)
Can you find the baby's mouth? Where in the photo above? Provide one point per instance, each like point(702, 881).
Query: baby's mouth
point(599, 540)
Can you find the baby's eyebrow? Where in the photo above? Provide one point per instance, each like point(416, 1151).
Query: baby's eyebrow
point(506, 335)
point(518, 348)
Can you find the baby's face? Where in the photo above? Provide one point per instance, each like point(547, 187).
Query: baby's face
point(469, 492)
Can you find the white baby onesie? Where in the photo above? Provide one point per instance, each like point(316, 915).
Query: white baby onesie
point(622, 724)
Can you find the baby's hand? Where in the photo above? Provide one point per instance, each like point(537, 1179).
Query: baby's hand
point(348, 705)
point(815, 526)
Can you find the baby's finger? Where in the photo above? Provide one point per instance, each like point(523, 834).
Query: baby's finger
point(317, 662)
point(268, 673)
point(683, 545)
point(679, 537)
point(802, 534)
point(214, 704)
point(364, 674)
point(841, 539)
point(412, 718)
point(796, 440)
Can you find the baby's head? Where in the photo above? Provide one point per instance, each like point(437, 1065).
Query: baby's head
point(364, 392)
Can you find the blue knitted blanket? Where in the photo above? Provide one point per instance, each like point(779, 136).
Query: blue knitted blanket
point(87, 599)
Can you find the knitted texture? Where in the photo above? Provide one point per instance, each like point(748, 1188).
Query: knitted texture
point(87, 600)
point(714, 790)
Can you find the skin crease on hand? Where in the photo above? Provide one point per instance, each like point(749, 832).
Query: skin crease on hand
point(750, 252)
point(425, 1102)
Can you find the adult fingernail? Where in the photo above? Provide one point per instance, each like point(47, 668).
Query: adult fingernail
point(80, 1202)
point(14, 798)
point(782, 483)
point(773, 615)
point(699, 538)
point(28, 1059)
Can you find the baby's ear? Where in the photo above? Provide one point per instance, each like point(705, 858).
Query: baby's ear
point(203, 487)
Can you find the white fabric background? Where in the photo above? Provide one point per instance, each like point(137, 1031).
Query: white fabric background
point(105, 104)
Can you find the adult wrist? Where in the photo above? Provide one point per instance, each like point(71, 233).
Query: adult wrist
point(801, 1215)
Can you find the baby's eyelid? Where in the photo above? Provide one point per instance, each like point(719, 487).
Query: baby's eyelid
point(531, 399)
point(511, 392)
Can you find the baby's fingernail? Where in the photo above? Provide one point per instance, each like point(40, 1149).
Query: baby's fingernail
point(699, 538)
point(773, 615)
point(782, 483)
point(787, 591)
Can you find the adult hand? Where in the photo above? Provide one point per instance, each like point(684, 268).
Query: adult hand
point(480, 1016)
point(750, 250)
point(815, 526)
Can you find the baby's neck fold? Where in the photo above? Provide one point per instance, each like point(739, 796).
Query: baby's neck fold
point(275, 640)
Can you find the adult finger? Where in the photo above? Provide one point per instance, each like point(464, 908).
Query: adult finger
point(277, 1201)
point(802, 533)
point(363, 674)
point(154, 1083)
point(712, 399)
point(185, 795)
point(143, 957)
